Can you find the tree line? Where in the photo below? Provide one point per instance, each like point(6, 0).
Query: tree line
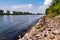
point(18, 13)
point(14, 13)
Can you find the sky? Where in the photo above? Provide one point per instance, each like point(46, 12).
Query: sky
point(34, 6)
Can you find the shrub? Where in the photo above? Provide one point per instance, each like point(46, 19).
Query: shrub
point(54, 9)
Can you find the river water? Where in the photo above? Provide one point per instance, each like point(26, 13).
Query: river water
point(13, 25)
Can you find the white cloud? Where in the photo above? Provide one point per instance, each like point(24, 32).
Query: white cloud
point(29, 8)
point(24, 6)
point(30, 5)
point(47, 2)
point(41, 9)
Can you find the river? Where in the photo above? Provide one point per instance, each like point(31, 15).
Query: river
point(13, 25)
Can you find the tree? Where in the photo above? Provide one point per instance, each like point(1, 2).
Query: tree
point(8, 12)
point(1, 12)
point(17, 13)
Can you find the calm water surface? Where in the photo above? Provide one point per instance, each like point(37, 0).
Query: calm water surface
point(14, 25)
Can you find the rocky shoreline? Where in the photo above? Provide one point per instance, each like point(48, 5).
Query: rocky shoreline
point(45, 29)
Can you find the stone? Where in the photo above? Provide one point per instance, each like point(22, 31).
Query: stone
point(56, 31)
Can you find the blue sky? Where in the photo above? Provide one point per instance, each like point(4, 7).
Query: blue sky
point(17, 2)
point(34, 6)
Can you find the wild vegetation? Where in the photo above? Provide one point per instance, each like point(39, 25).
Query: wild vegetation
point(54, 9)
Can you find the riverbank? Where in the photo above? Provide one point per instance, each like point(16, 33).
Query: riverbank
point(45, 29)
